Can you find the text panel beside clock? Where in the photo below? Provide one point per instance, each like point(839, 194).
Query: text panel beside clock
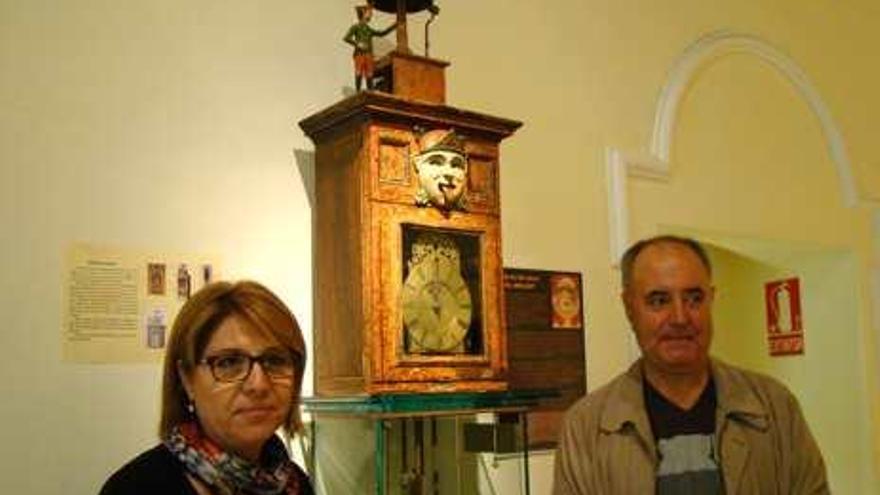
point(545, 338)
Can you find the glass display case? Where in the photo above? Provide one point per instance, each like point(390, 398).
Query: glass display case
point(419, 444)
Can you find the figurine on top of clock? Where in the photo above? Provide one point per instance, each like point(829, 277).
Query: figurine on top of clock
point(442, 167)
point(360, 35)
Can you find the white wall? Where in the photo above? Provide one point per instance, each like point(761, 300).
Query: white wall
point(158, 126)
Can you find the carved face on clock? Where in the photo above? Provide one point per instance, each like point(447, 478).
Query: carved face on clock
point(442, 168)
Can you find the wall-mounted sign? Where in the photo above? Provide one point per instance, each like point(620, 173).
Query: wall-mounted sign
point(785, 331)
point(545, 343)
point(119, 303)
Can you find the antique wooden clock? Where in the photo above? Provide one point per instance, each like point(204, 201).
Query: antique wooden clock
point(407, 238)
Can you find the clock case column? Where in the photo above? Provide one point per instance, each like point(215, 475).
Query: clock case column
point(365, 187)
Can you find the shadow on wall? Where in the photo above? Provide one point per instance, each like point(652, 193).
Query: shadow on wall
point(305, 164)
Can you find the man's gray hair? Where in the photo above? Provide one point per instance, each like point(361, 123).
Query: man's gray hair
point(629, 257)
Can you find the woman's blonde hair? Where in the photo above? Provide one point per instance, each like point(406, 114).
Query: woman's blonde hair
point(255, 305)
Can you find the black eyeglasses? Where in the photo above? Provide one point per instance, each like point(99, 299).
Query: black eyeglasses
point(237, 366)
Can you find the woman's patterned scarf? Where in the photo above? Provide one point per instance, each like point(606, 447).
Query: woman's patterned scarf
point(229, 474)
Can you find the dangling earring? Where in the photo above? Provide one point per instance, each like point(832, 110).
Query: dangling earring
point(191, 407)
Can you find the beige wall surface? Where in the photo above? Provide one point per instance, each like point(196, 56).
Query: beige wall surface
point(171, 126)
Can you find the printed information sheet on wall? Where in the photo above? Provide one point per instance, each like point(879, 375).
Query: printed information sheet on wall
point(119, 304)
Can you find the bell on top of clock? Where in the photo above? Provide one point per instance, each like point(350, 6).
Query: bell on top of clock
point(401, 8)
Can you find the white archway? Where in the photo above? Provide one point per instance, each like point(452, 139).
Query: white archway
point(655, 164)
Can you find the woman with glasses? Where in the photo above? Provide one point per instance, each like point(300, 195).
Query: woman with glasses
point(232, 376)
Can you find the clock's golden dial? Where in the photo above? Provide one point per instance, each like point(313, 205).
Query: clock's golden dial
point(436, 301)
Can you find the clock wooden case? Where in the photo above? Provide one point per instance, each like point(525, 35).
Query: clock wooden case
point(408, 298)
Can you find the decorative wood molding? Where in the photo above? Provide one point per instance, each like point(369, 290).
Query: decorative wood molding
point(618, 212)
point(875, 297)
point(656, 164)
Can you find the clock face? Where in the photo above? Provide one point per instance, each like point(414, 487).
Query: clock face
point(437, 305)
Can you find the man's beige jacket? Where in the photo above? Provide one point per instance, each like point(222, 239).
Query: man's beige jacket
point(606, 446)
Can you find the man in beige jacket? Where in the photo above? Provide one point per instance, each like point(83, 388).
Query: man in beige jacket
point(679, 421)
